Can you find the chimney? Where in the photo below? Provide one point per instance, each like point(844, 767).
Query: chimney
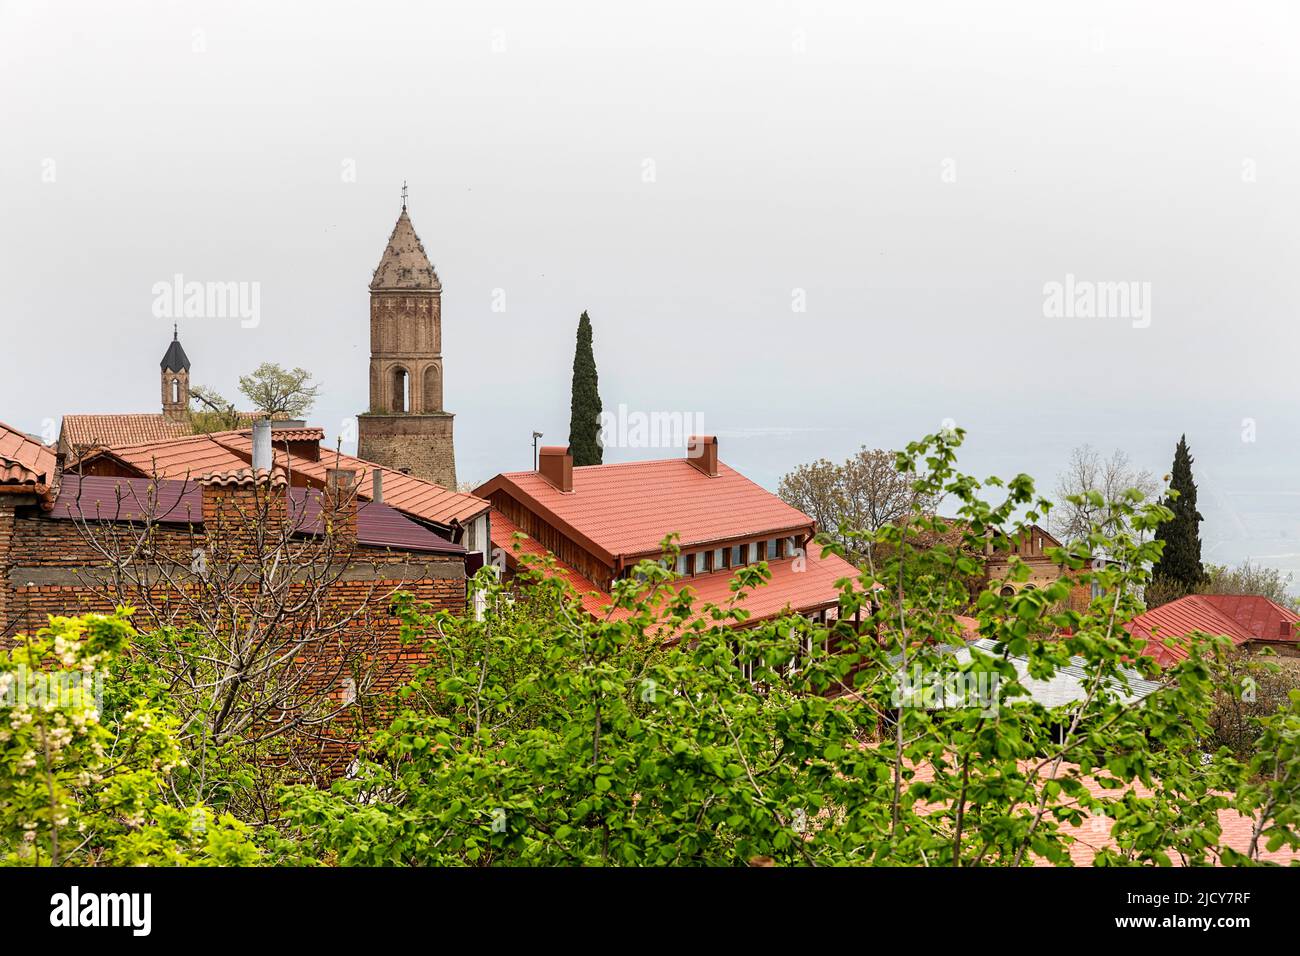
point(262, 445)
point(1285, 631)
point(702, 452)
point(339, 506)
point(555, 464)
point(377, 486)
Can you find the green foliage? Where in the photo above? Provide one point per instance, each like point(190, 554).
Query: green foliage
point(81, 787)
point(541, 735)
point(585, 408)
point(1179, 568)
point(1248, 578)
point(279, 393)
point(1272, 796)
point(272, 391)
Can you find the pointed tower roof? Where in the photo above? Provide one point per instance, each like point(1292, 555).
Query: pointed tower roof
point(405, 265)
point(175, 359)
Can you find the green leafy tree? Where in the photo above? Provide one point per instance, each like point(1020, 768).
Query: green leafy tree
point(585, 407)
point(667, 733)
point(864, 493)
point(1179, 570)
point(85, 786)
point(279, 393)
point(271, 390)
point(1248, 578)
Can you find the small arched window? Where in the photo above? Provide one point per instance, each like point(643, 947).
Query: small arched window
point(1008, 591)
point(401, 390)
point(176, 390)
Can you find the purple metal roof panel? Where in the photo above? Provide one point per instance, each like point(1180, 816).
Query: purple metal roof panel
point(128, 499)
point(378, 525)
point(181, 503)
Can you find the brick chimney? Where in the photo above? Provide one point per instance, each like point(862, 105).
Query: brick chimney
point(1286, 631)
point(555, 464)
point(339, 504)
point(702, 452)
point(244, 510)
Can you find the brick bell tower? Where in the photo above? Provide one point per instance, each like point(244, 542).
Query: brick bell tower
point(406, 427)
point(175, 367)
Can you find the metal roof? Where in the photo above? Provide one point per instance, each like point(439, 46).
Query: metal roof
point(180, 502)
point(1239, 617)
point(1067, 686)
point(175, 359)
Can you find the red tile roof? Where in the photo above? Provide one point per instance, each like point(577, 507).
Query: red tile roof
point(594, 600)
point(196, 455)
point(25, 463)
point(1241, 617)
point(624, 510)
point(107, 431)
point(791, 588)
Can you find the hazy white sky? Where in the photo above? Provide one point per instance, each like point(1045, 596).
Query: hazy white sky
point(913, 173)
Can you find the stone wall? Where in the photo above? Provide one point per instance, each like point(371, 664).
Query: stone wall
point(420, 444)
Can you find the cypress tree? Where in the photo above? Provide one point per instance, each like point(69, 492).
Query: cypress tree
point(584, 415)
point(1180, 566)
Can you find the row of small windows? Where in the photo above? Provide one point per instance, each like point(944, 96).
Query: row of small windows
point(736, 556)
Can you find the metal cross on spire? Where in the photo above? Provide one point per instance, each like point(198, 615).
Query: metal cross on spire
point(403, 193)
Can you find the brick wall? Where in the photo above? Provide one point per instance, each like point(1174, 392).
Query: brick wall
point(50, 566)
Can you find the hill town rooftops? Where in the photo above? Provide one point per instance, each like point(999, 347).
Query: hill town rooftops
point(195, 455)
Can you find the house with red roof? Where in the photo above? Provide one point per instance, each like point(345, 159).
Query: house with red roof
point(1252, 623)
point(599, 521)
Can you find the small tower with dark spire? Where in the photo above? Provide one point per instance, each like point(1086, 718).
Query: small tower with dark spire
point(175, 381)
point(406, 428)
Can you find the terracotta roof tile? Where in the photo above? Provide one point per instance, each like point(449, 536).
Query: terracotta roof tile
point(87, 431)
point(241, 477)
point(24, 461)
point(107, 431)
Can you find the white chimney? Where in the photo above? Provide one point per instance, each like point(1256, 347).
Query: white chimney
point(262, 444)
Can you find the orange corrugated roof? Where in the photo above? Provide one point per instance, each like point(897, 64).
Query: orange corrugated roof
point(1241, 617)
point(24, 461)
point(593, 598)
point(791, 588)
point(810, 588)
point(196, 455)
point(625, 509)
